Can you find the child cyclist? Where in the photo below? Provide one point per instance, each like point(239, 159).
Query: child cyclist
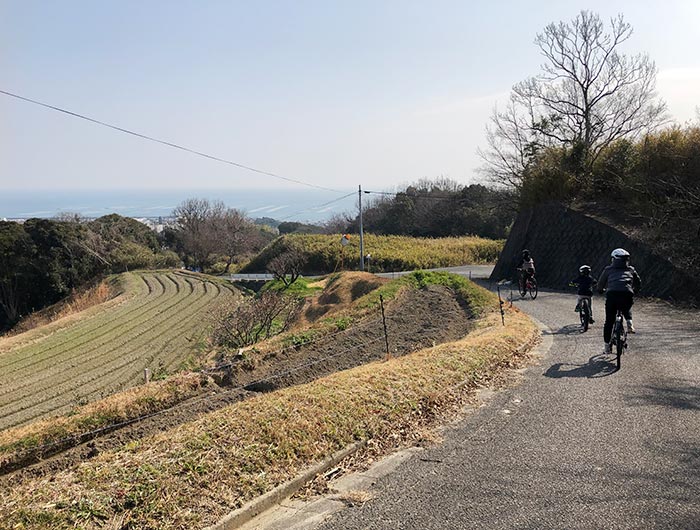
point(585, 283)
point(526, 266)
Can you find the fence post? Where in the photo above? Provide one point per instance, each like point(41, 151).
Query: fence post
point(147, 375)
point(386, 335)
point(500, 306)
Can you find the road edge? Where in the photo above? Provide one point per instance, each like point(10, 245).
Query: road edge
point(257, 506)
point(270, 500)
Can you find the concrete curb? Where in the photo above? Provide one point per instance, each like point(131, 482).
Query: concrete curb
point(257, 506)
point(546, 333)
point(266, 501)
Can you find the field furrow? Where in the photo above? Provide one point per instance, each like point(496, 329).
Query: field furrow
point(102, 332)
point(134, 336)
point(73, 337)
point(111, 355)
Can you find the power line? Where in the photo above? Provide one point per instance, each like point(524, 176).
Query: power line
point(169, 144)
point(414, 195)
point(317, 207)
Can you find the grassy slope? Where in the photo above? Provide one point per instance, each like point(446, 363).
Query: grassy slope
point(476, 300)
point(389, 253)
point(154, 324)
point(192, 475)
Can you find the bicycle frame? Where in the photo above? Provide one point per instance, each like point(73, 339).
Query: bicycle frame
point(619, 336)
point(585, 314)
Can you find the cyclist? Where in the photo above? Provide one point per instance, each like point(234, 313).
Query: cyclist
point(622, 282)
point(526, 267)
point(585, 283)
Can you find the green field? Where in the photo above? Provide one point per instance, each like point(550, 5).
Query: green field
point(157, 323)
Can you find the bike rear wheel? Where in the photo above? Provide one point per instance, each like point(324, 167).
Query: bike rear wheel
point(532, 288)
point(585, 315)
point(619, 341)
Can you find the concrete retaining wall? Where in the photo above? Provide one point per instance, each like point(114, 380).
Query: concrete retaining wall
point(561, 240)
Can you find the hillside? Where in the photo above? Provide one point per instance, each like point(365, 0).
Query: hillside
point(156, 323)
point(324, 253)
point(334, 385)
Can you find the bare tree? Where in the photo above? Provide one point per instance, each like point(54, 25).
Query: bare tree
point(338, 223)
point(233, 233)
point(195, 229)
point(254, 319)
point(287, 265)
point(587, 96)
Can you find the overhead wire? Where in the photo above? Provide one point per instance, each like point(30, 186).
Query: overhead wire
point(413, 195)
point(313, 208)
point(167, 143)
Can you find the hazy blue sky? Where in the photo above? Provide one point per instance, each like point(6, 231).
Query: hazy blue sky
point(335, 93)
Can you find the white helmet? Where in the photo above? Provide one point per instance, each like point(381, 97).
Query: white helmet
point(619, 253)
point(584, 268)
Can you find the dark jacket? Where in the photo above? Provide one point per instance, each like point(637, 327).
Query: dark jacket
point(619, 277)
point(585, 284)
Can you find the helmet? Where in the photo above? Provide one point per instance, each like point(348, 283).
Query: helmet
point(619, 253)
point(526, 252)
point(584, 268)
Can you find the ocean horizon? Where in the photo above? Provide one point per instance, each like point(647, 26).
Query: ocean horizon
point(304, 205)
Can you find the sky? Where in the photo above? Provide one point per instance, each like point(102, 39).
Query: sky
point(332, 93)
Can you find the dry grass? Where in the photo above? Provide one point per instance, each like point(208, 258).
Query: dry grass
point(77, 302)
point(339, 292)
point(355, 497)
point(324, 253)
point(20, 442)
point(192, 475)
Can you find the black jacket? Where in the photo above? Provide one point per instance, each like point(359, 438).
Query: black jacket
point(619, 277)
point(585, 284)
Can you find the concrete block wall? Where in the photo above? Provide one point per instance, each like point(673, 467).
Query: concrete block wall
point(561, 240)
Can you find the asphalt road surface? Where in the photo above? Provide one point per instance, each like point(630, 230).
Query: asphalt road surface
point(576, 445)
point(477, 272)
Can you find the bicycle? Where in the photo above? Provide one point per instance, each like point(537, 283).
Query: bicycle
point(618, 340)
point(585, 314)
point(527, 285)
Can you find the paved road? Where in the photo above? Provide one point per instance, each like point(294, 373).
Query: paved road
point(575, 446)
point(480, 272)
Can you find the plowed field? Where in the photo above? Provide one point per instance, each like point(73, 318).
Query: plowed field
point(157, 325)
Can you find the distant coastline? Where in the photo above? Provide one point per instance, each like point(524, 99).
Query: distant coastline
point(282, 204)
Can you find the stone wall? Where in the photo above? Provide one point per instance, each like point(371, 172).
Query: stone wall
point(561, 240)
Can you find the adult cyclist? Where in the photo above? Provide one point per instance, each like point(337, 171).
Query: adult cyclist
point(622, 283)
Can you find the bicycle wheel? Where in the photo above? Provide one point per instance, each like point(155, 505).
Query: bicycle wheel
point(619, 341)
point(585, 315)
point(522, 287)
point(533, 288)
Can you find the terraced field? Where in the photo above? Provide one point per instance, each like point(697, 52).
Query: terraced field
point(156, 324)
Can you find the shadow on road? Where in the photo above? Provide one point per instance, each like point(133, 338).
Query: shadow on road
point(569, 329)
point(597, 366)
point(678, 394)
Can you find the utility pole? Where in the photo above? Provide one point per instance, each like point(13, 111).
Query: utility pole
point(362, 236)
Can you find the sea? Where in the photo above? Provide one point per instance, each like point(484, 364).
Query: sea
point(297, 204)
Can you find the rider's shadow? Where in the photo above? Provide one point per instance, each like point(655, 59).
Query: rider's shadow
point(571, 329)
point(597, 366)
